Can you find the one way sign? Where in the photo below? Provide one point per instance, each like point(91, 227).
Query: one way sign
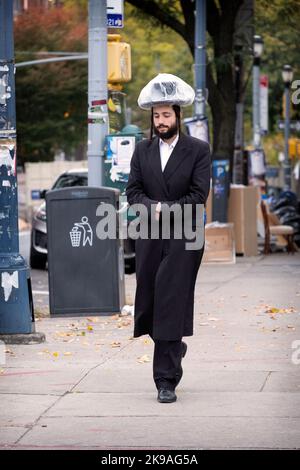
point(115, 13)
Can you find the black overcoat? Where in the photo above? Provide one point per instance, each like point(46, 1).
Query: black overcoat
point(165, 271)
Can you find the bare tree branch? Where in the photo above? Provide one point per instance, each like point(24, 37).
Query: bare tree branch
point(153, 9)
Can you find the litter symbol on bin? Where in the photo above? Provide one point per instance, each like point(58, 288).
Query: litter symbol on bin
point(85, 234)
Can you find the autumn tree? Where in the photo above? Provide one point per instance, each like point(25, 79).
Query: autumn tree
point(227, 28)
point(51, 99)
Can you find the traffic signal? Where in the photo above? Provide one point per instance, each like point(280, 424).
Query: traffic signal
point(119, 60)
point(294, 147)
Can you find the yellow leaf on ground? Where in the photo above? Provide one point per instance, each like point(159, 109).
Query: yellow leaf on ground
point(115, 344)
point(144, 359)
point(55, 354)
point(90, 328)
point(68, 354)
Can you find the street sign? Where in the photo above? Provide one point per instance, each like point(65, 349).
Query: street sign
point(294, 125)
point(115, 13)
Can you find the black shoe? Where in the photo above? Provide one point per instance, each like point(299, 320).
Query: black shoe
point(166, 396)
point(179, 374)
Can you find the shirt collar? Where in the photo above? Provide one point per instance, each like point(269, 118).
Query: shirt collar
point(172, 145)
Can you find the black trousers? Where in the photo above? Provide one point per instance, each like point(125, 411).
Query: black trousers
point(166, 363)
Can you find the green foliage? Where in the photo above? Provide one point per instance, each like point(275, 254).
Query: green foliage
point(51, 99)
point(154, 50)
point(278, 23)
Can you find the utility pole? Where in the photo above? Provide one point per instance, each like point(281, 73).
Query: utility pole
point(257, 156)
point(200, 58)
point(237, 171)
point(220, 166)
point(16, 306)
point(258, 48)
point(97, 90)
point(287, 75)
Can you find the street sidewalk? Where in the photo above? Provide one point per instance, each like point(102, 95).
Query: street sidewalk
point(90, 385)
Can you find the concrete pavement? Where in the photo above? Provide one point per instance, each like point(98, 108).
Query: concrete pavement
point(90, 385)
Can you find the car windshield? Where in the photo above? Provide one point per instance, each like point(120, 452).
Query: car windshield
point(66, 181)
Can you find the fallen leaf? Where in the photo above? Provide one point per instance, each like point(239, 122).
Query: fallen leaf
point(115, 317)
point(68, 354)
point(2, 371)
point(273, 310)
point(203, 324)
point(115, 344)
point(90, 328)
point(213, 319)
point(55, 354)
point(144, 359)
point(147, 341)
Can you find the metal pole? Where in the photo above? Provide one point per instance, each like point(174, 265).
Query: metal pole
point(16, 307)
point(200, 58)
point(52, 59)
point(287, 163)
point(97, 90)
point(237, 173)
point(256, 103)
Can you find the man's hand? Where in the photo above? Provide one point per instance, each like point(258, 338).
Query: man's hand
point(157, 210)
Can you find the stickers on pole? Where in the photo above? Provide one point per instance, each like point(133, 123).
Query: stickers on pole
point(98, 113)
point(8, 281)
point(8, 155)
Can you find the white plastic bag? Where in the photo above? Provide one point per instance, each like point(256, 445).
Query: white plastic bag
point(166, 89)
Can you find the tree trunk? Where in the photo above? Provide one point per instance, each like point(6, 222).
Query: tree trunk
point(224, 21)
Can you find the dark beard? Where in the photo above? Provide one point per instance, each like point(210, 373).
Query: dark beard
point(173, 130)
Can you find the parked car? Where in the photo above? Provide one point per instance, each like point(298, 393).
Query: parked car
point(38, 245)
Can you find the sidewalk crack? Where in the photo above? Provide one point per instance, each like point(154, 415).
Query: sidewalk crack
point(266, 379)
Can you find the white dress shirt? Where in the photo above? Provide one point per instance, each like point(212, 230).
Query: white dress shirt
point(166, 150)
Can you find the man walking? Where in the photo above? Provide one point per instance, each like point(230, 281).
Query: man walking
point(169, 169)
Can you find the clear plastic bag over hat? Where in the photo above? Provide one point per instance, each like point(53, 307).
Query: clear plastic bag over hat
point(166, 89)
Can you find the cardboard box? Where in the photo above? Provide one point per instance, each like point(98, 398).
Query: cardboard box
point(242, 212)
point(219, 244)
point(208, 207)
